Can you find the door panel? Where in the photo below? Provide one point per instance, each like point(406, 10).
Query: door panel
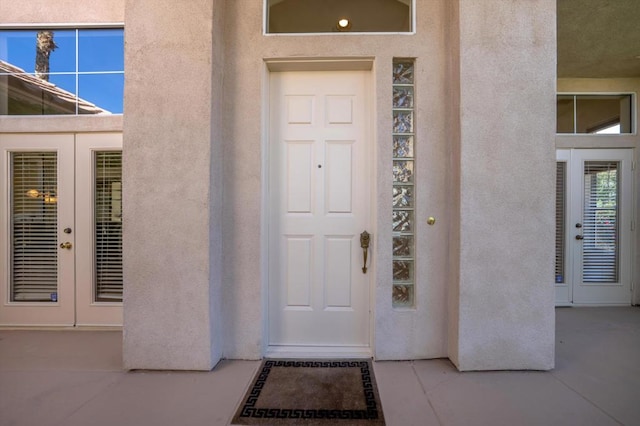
point(60, 221)
point(319, 190)
point(37, 284)
point(99, 229)
point(598, 227)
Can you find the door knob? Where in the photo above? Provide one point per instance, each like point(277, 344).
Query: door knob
point(579, 237)
point(431, 220)
point(66, 245)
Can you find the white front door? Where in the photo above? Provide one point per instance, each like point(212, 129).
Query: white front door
point(61, 229)
point(594, 233)
point(319, 206)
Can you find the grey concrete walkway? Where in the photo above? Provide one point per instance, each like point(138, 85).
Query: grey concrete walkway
point(72, 378)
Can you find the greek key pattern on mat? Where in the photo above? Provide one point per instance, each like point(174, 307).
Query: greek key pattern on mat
point(249, 409)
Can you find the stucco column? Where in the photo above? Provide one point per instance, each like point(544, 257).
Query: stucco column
point(172, 188)
point(501, 307)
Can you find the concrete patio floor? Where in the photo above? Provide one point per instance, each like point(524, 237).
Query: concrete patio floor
point(75, 378)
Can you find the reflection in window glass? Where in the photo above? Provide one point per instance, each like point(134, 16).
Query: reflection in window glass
point(41, 71)
point(565, 114)
point(18, 48)
point(65, 82)
point(105, 90)
point(100, 50)
point(594, 114)
point(328, 16)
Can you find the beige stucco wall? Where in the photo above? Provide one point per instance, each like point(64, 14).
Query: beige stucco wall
point(195, 194)
point(610, 85)
point(172, 243)
point(61, 12)
point(503, 316)
point(418, 333)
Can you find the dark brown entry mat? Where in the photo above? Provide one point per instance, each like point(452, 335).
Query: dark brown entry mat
point(312, 392)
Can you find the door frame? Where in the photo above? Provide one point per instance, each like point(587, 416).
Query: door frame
point(566, 155)
point(302, 65)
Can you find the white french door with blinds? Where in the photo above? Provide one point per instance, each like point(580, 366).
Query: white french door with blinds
point(594, 226)
point(61, 229)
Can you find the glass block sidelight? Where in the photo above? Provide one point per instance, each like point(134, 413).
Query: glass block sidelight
point(403, 202)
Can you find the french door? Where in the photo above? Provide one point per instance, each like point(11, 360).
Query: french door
point(61, 229)
point(594, 226)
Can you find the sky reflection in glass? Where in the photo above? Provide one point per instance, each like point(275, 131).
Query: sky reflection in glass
point(88, 63)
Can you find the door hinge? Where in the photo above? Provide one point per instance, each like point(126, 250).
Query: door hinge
point(633, 165)
point(633, 225)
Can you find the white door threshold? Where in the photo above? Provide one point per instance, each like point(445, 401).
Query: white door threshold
point(318, 352)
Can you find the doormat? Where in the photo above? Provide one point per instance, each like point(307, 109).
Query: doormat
point(312, 392)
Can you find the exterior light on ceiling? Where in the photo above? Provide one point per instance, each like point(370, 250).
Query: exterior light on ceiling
point(343, 24)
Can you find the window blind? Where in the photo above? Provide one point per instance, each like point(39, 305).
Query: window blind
point(34, 252)
point(600, 222)
point(108, 226)
point(561, 203)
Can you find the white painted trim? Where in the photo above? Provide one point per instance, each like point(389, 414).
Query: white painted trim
point(66, 25)
point(364, 63)
point(634, 114)
point(592, 305)
point(414, 14)
point(318, 352)
point(265, 208)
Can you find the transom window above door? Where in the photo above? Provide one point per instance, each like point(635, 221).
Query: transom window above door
point(332, 16)
point(61, 71)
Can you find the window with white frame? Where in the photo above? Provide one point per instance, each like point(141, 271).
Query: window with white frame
point(594, 113)
point(333, 16)
point(51, 71)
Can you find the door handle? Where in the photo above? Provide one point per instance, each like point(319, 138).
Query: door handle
point(579, 237)
point(365, 238)
point(66, 245)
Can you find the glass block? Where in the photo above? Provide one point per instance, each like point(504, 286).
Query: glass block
point(402, 296)
point(402, 121)
point(402, 97)
point(402, 197)
point(403, 270)
point(403, 246)
point(403, 72)
point(402, 146)
point(402, 221)
point(403, 171)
